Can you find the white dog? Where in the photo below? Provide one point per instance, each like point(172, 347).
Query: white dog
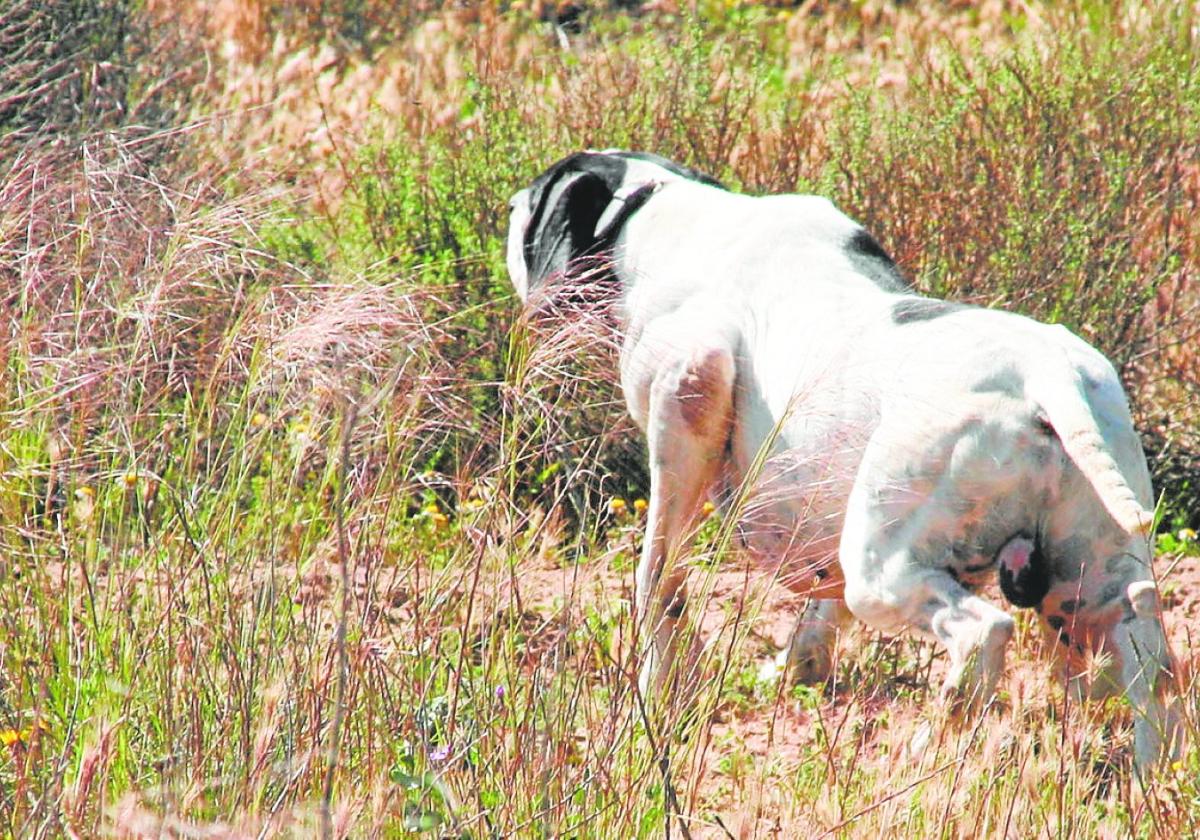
point(893, 451)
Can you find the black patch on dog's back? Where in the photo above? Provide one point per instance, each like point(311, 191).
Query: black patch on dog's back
point(567, 202)
point(916, 309)
point(874, 263)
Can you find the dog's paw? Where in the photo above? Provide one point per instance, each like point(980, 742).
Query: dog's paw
point(773, 669)
point(809, 661)
point(811, 652)
point(671, 677)
point(807, 669)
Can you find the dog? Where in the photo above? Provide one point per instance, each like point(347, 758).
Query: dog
point(892, 452)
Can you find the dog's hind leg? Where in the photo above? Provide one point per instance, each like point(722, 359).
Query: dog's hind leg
point(679, 384)
point(888, 590)
point(896, 552)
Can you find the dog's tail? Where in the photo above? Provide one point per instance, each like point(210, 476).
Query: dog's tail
point(1062, 397)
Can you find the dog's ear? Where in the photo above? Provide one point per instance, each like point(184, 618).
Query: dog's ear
point(563, 227)
point(578, 207)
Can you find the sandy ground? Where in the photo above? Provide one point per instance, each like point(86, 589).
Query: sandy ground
point(727, 779)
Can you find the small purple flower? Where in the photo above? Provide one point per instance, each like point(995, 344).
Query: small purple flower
point(440, 754)
point(500, 692)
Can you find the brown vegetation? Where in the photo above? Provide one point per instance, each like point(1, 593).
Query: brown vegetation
point(258, 352)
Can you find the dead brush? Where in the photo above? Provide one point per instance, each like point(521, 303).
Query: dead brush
point(178, 372)
point(160, 347)
point(69, 71)
point(564, 355)
point(100, 252)
point(119, 279)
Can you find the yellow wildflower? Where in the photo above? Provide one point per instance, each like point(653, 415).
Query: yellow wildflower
point(640, 505)
point(130, 478)
point(439, 520)
point(707, 508)
point(617, 506)
point(259, 419)
point(1187, 535)
point(12, 737)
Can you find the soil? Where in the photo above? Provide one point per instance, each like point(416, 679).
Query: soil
point(726, 786)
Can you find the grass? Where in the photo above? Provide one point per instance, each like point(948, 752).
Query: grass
point(305, 529)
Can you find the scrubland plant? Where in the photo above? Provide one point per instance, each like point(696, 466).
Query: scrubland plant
point(305, 529)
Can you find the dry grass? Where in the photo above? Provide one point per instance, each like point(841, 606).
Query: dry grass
point(281, 467)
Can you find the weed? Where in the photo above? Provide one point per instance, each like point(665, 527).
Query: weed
point(282, 468)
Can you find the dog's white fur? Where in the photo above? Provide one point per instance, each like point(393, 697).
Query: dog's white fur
point(901, 445)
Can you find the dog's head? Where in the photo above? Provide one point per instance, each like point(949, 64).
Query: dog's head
point(568, 219)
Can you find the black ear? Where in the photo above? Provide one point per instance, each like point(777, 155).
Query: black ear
point(673, 167)
point(578, 207)
point(565, 227)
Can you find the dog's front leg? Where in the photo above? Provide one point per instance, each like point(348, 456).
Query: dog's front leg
point(809, 656)
point(685, 383)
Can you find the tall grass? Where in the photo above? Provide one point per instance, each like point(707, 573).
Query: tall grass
point(282, 466)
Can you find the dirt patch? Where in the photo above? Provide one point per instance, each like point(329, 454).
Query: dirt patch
point(736, 780)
